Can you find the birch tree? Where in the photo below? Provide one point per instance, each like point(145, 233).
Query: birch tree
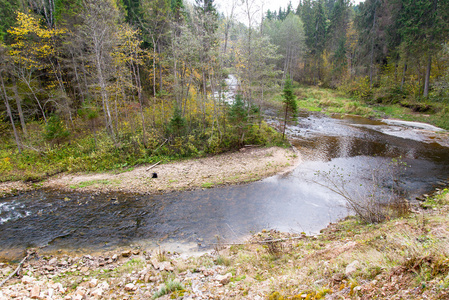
point(4, 95)
point(100, 24)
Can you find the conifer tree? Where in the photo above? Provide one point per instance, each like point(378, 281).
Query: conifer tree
point(291, 107)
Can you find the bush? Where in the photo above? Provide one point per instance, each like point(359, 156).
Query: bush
point(379, 200)
point(359, 88)
point(55, 130)
point(170, 286)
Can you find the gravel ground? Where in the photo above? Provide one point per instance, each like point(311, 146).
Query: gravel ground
point(248, 164)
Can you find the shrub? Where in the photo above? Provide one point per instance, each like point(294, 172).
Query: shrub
point(55, 130)
point(379, 200)
point(170, 286)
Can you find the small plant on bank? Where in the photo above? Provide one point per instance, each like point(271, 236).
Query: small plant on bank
point(222, 260)
point(161, 255)
point(169, 287)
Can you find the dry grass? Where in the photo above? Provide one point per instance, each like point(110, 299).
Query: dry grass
point(400, 259)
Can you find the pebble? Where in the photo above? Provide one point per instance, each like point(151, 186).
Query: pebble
point(93, 282)
point(7, 270)
point(35, 292)
point(27, 279)
point(130, 287)
point(53, 261)
point(224, 279)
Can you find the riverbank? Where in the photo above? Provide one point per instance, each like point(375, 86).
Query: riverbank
point(332, 101)
point(248, 164)
point(404, 258)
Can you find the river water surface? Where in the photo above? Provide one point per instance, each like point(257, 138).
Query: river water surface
point(191, 220)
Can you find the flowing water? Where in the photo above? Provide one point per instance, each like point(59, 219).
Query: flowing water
point(191, 220)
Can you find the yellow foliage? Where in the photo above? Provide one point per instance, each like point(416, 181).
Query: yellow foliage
point(32, 42)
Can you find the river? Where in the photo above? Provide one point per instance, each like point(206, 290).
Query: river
point(192, 220)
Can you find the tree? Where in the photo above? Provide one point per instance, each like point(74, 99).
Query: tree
point(3, 67)
point(155, 25)
point(367, 25)
point(292, 35)
point(8, 12)
point(291, 107)
point(319, 34)
point(425, 25)
point(336, 40)
point(100, 25)
point(32, 51)
point(128, 58)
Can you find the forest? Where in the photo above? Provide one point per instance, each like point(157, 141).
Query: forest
point(92, 85)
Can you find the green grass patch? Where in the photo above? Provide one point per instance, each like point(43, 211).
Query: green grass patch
point(330, 101)
point(317, 99)
point(169, 287)
point(99, 182)
point(134, 264)
point(207, 185)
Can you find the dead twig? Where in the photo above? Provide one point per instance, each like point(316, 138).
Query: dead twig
point(29, 253)
point(166, 140)
point(152, 166)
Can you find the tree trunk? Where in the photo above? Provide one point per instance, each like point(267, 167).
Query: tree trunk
point(8, 109)
point(136, 72)
point(161, 83)
point(404, 71)
point(154, 68)
point(285, 120)
point(104, 95)
point(427, 78)
point(372, 51)
point(35, 98)
point(19, 107)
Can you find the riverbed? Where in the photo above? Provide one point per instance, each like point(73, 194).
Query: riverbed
point(356, 149)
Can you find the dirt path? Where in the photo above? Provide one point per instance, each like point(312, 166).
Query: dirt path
point(248, 164)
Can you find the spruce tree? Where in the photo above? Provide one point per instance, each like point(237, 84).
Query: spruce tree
point(291, 108)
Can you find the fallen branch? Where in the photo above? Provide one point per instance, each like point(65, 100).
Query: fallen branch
point(166, 140)
point(17, 269)
point(152, 166)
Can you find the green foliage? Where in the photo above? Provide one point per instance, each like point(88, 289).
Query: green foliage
point(359, 88)
point(8, 10)
point(55, 130)
point(177, 123)
point(238, 113)
point(289, 98)
point(242, 115)
point(90, 183)
point(95, 151)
